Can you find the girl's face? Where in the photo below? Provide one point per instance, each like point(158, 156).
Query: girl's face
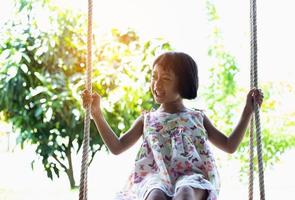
point(164, 85)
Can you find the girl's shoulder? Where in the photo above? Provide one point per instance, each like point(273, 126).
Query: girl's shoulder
point(147, 113)
point(196, 111)
point(197, 115)
point(188, 110)
point(154, 113)
point(144, 113)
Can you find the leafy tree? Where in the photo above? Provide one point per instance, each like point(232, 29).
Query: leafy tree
point(223, 97)
point(278, 130)
point(125, 85)
point(42, 65)
point(36, 81)
point(222, 90)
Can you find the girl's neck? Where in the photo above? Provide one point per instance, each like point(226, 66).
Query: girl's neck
point(172, 107)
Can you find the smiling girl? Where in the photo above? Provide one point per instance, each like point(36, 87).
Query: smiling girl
point(175, 161)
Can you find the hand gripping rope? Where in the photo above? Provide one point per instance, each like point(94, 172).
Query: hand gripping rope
point(84, 166)
point(254, 83)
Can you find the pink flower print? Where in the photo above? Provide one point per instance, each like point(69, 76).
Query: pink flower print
point(137, 179)
point(175, 173)
point(179, 166)
point(188, 166)
point(158, 127)
point(202, 168)
point(143, 174)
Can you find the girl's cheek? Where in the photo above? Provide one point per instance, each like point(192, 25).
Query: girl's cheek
point(151, 87)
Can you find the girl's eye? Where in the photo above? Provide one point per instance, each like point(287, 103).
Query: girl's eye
point(154, 77)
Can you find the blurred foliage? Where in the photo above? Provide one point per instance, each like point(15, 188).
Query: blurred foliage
point(277, 129)
point(36, 81)
point(124, 86)
point(224, 98)
point(221, 92)
point(42, 65)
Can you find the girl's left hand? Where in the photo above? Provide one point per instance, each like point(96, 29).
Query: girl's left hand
point(254, 96)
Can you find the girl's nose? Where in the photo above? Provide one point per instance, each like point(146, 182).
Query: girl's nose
point(158, 84)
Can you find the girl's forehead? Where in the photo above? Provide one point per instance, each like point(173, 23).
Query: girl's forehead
point(163, 71)
point(161, 68)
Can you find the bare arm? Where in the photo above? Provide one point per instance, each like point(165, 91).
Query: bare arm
point(231, 143)
point(118, 145)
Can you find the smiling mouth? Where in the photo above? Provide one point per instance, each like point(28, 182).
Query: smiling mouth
point(159, 94)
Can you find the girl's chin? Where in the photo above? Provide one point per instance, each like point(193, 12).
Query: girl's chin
point(159, 100)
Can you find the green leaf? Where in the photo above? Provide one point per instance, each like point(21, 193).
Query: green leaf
point(38, 112)
point(49, 173)
point(56, 171)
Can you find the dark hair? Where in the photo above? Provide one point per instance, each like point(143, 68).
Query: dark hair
point(186, 70)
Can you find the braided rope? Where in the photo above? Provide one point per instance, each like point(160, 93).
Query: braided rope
point(254, 83)
point(251, 141)
point(251, 158)
point(84, 165)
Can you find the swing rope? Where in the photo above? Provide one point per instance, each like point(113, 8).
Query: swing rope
point(84, 166)
point(254, 83)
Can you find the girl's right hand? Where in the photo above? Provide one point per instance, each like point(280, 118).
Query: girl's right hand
point(93, 100)
point(254, 96)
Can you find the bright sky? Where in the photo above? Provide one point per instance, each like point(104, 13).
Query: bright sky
point(185, 25)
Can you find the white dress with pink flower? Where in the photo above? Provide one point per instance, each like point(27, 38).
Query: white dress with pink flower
point(175, 152)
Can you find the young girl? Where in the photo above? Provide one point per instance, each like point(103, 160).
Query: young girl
point(174, 161)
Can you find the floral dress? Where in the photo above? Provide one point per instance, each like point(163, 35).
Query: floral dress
point(174, 153)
